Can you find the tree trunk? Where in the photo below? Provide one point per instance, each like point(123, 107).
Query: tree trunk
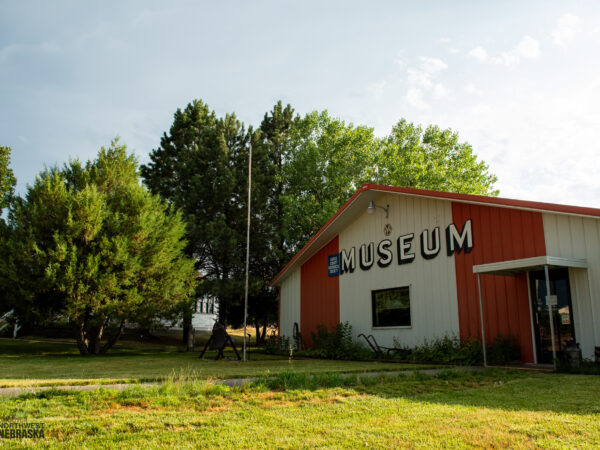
point(89, 342)
point(187, 325)
point(190, 338)
point(260, 335)
point(113, 340)
point(81, 339)
point(95, 344)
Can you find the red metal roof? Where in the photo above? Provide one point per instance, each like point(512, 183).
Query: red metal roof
point(463, 198)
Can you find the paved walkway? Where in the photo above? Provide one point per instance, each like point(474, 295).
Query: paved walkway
point(231, 382)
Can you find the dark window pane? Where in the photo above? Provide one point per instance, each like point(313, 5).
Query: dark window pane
point(391, 307)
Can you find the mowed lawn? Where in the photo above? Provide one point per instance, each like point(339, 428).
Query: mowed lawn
point(484, 409)
point(35, 363)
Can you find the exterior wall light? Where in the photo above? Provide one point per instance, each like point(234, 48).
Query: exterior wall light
point(372, 206)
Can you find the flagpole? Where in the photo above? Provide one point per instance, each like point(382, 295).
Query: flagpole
point(247, 245)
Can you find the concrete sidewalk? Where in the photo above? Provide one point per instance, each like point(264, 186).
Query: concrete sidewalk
point(231, 382)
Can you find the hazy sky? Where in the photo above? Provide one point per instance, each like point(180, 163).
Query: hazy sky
point(519, 80)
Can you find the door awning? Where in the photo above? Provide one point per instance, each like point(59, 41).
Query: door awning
point(515, 266)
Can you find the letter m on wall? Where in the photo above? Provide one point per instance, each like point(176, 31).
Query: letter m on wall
point(347, 261)
point(455, 240)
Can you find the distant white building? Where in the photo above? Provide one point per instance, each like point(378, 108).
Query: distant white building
point(206, 313)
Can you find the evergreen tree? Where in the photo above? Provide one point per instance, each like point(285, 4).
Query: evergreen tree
point(7, 178)
point(201, 167)
point(7, 187)
point(90, 244)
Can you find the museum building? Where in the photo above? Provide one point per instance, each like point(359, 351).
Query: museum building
point(406, 265)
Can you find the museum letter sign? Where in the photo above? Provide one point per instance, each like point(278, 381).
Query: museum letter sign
point(429, 243)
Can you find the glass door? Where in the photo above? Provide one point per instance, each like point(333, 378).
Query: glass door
point(562, 313)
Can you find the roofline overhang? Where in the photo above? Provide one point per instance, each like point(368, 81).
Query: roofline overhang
point(512, 267)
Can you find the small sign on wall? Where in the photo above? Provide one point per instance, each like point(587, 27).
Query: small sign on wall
point(334, 265)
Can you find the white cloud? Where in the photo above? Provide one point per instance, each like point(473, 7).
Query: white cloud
point(419, 77)
point(428, 69)
point(400, 59)
point(376, 89)
point(453, 51)
point(444, 39)
point(478, 53)
point(473, 90)
point(439, 91)
point(536, 140)
point(414, 97)
point(432, 65)
point(421, 82)
point(565, 30)
point(527, 48)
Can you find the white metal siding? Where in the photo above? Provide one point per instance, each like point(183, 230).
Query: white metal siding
point(433, 298)
point(579, 237)
point(572, 236)
point(290, 304)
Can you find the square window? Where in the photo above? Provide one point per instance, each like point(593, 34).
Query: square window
point(391, 307)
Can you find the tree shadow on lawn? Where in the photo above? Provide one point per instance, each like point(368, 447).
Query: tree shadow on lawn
point(492, 388)
point(32, 348)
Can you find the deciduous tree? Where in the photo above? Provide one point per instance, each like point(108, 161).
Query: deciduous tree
point(432, 159)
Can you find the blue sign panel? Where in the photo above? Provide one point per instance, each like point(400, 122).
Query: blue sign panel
point(334, 265)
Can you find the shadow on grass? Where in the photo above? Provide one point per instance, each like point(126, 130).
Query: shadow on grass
point(10, 348)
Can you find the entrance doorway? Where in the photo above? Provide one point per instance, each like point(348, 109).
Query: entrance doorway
point(562, 313)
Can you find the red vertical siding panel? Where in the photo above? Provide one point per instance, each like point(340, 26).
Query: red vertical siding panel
point(509, 251)
point(319, 293)
point(528, 236)
point(499, 234)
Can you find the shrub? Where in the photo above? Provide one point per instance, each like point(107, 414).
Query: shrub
point(450, 349)
point(447, 349)
point(503, 349)
point(587, 367)
point(336, 344)
point(277, 344)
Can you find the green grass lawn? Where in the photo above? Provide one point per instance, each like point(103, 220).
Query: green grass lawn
point(34, 363)
point(491, 408)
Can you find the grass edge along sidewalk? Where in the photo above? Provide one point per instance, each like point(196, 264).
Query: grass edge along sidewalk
point(230, 382)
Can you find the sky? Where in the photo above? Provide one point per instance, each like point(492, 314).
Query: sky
point(519, 81)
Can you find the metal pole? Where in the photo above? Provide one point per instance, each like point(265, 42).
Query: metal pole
point(531, 323)
point(247, 245)
point(550, 314)
point(482, 323)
